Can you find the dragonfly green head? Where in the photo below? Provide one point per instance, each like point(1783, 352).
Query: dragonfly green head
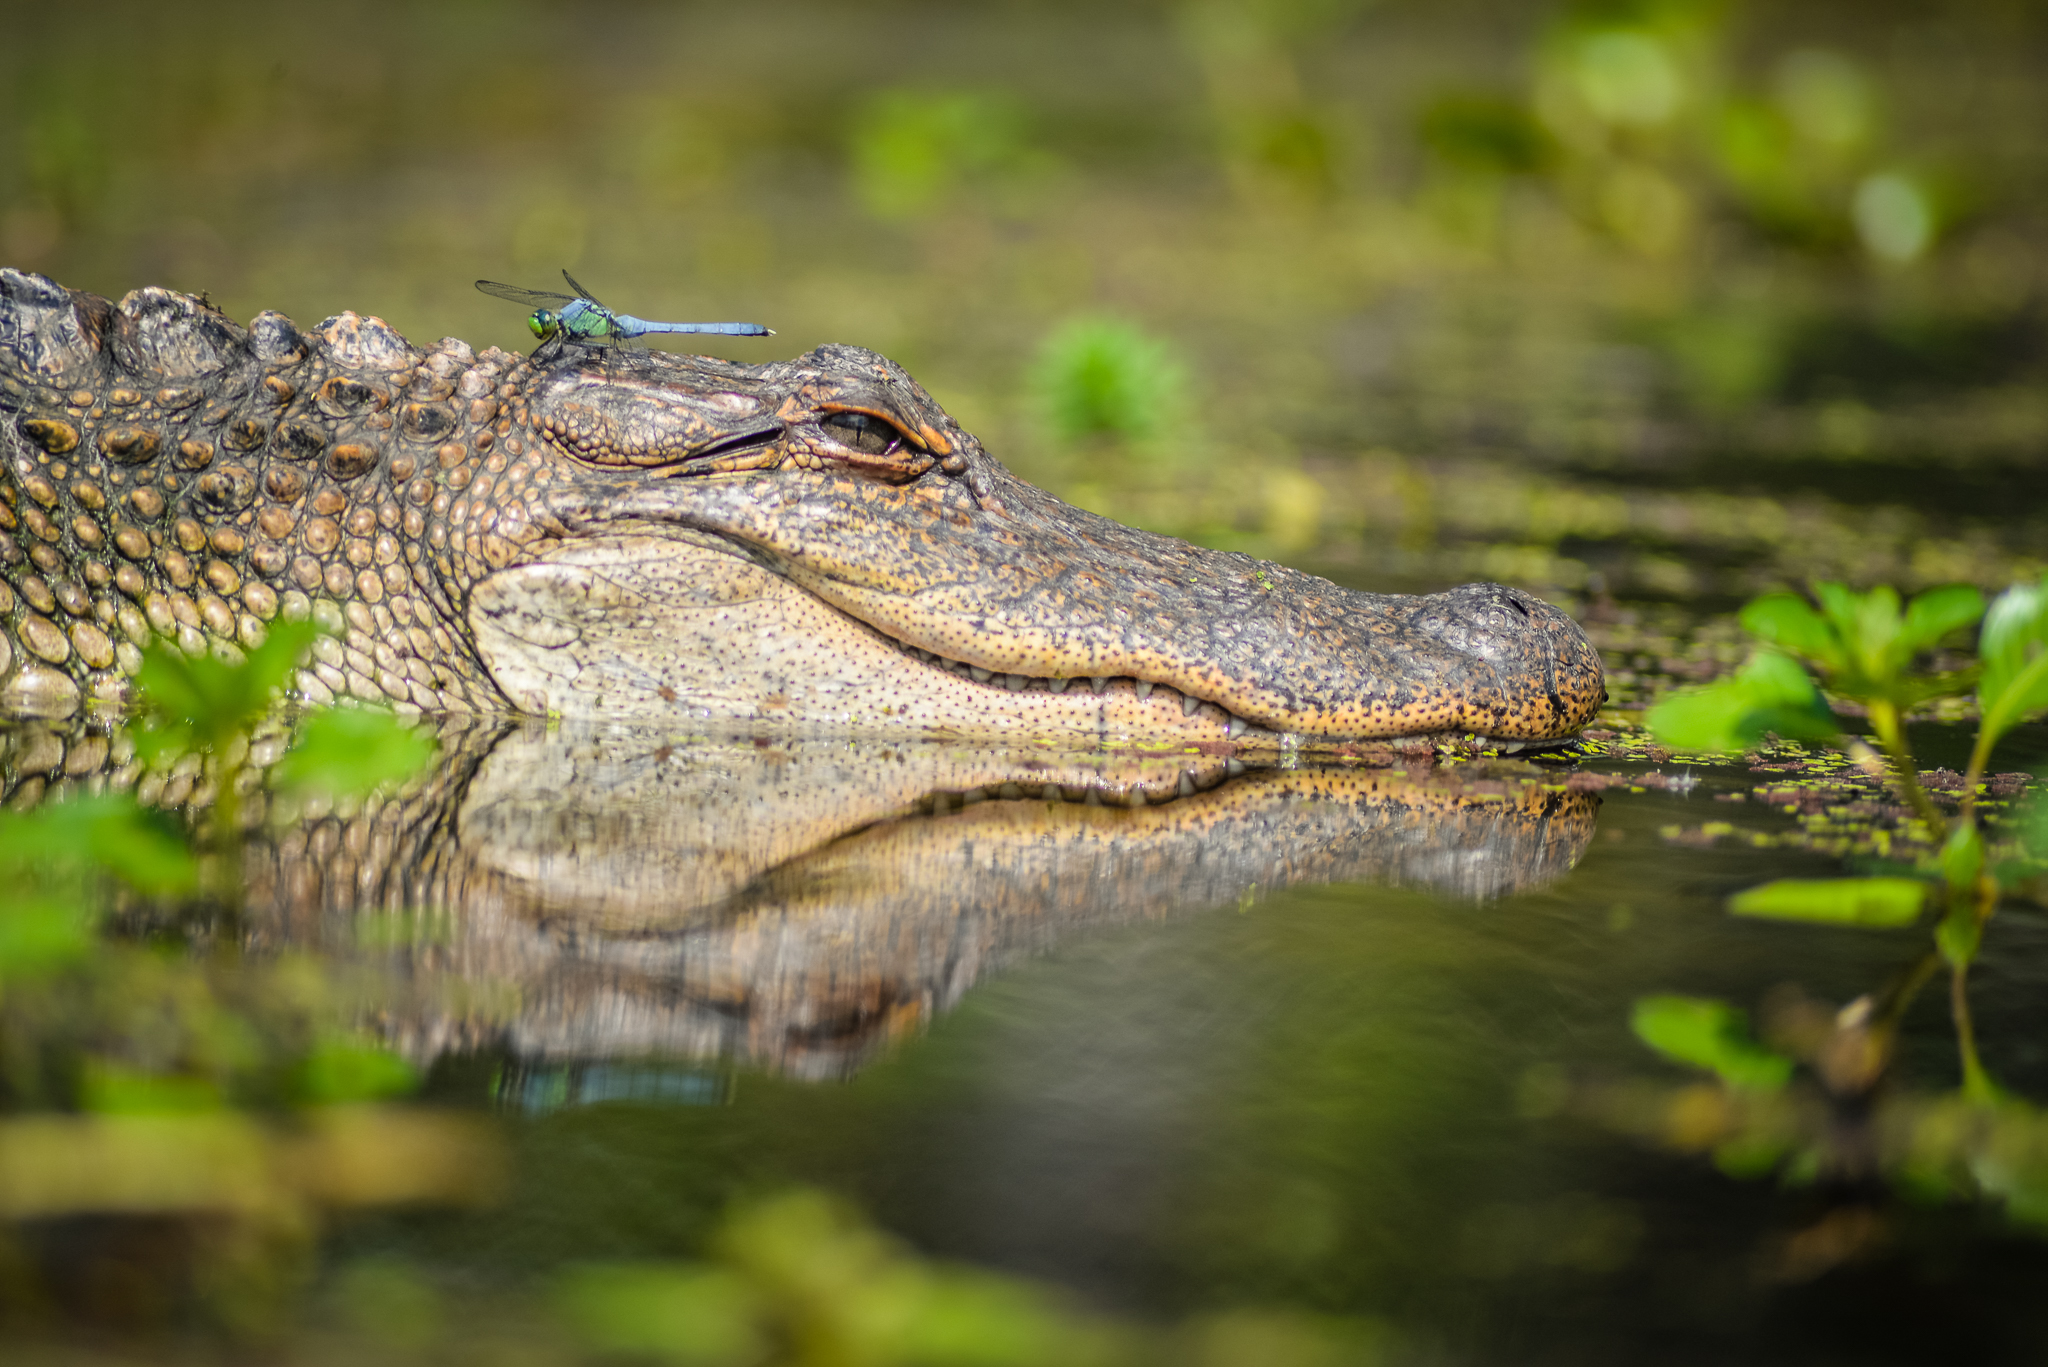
point(544, 323)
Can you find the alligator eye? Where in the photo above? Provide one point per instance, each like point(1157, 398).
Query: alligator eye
point(862, 432)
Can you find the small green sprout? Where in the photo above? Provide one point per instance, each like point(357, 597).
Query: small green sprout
point(1098, 377)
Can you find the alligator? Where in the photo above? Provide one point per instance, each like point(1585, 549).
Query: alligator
point(574, 891)
point(585, 532)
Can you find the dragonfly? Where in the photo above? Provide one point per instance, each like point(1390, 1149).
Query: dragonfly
point(581, 318)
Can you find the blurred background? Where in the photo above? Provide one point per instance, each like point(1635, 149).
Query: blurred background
point(1661, 301)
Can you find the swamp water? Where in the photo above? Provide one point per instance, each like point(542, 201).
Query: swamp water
point(1203, 1062)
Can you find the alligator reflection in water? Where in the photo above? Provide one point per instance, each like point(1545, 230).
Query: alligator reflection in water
point(794, 904)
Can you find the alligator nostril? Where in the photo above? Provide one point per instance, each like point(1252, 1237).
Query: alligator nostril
point(1516, 604)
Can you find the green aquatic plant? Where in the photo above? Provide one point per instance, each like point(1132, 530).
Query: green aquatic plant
point(1866, 649)
point(206, 705)
point(1103, 378)
point(237, 1091)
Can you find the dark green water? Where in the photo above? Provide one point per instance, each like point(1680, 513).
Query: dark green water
point(1324, 1103)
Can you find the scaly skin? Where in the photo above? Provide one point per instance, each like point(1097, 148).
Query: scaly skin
point(812, 541)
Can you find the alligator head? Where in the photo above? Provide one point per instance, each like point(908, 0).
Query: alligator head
point(583, 532)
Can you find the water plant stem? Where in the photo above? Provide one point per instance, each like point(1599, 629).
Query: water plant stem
point(1884, 720)
point(1977, 1084)
point(224, 833)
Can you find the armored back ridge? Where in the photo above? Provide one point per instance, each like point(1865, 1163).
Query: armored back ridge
point(173, 474)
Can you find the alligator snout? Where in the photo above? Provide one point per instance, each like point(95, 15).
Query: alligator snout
point(1491, 621)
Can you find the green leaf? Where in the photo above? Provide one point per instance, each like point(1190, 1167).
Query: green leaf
point(1935, 613)
point(271, 664)
point(967, 1319)
point(347, 751)
point(1703, 1033)
point(344, 1070)
point(2014, 620)
point(113, 1090)
point(674, 1312)
point(1872, 902)
point(1869, 624)
point(1962, 863)
point(2013, 684)
point(203, 701)
point(114, 832)
point(1958, 936)
point(1788, 622)
point(40, 936)
point(1772, 694)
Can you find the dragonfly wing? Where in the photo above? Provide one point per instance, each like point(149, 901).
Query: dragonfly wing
point(580, 291)
point(538, 299)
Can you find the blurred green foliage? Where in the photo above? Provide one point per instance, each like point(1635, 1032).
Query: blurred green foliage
point(912, 150)
point(203, 701)
point(341, 752)
point(1099, 377)
point(798, 1279)
point(1711, 1035)
point(1882, 903)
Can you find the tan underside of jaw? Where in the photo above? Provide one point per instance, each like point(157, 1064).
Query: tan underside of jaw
point(645, 625)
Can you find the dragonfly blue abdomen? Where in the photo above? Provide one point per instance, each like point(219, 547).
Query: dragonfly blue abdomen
point(583, 318)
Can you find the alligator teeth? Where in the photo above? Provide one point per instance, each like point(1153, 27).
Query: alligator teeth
point(1136, 799)
point(1098, 683)
point(1187, 783)
point(1014, 682)
point(972, 796)
point(1233, 767)
point(1238, 726)
point(1056, 685)
point(1509, 747)
point(1010, 790)
point(980, 675)
point(1144, 687)
point(1189, 704)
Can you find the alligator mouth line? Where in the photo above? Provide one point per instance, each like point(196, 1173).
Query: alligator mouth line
point(1190, 705)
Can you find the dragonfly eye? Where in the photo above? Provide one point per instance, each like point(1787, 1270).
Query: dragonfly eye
point(861, 431)
point(542, 323)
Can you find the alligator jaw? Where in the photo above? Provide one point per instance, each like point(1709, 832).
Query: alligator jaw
point(650, 623)
point(652, 617)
